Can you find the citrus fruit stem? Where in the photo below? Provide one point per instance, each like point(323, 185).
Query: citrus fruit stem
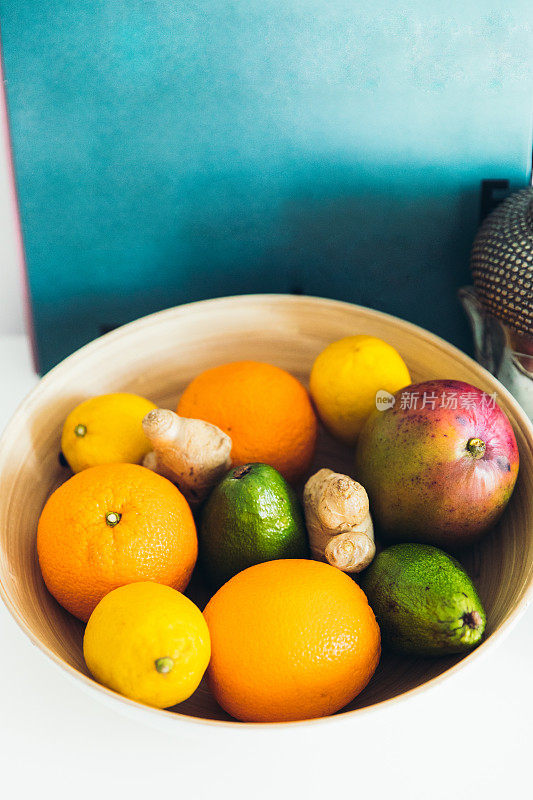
point(113, 518)
point(240, 472)
point(164, 664)
point(80, 430)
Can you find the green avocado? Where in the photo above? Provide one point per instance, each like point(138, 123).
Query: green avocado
point(424, 602)
point(251, 516)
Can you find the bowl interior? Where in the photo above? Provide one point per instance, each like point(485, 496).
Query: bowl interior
point(156, 357)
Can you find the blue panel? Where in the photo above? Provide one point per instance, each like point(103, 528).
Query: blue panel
point(172, 150)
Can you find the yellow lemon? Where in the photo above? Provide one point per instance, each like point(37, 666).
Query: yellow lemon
point(105, 430)
point(149, 643)
point(346, 377)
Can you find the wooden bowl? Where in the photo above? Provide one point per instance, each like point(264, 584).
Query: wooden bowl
point(157, 356)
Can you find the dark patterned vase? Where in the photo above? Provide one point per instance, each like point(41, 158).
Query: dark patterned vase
point(500, 305)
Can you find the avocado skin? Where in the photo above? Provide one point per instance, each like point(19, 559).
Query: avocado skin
point(250, 519)
point(423, 599)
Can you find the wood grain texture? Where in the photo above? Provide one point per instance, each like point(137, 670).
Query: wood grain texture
point(157, 356)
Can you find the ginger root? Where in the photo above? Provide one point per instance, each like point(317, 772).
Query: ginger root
point(190, 452)
point(338, 521)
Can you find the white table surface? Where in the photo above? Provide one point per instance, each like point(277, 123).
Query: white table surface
point(470, 737)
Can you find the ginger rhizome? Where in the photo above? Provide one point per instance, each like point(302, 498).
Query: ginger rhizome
point(338, 520)
point(190, 452)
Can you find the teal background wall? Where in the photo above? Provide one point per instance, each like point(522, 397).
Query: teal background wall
point(173, 150)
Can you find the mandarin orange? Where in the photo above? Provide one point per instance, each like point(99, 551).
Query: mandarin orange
point(290, 640)
point(266, 411)
point(111, 525)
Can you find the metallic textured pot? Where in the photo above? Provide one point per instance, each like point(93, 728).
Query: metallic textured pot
point(500, 305)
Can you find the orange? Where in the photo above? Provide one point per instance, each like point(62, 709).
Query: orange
point(265, 410)
point(111, 525)
point(290, 640)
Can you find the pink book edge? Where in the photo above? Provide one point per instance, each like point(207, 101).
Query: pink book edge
point(21, 259)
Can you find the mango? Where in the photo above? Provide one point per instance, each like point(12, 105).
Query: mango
point(439, 465)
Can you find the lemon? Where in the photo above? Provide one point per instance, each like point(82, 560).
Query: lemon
point(149, 643)
point(106, 429)
point(346, 377)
